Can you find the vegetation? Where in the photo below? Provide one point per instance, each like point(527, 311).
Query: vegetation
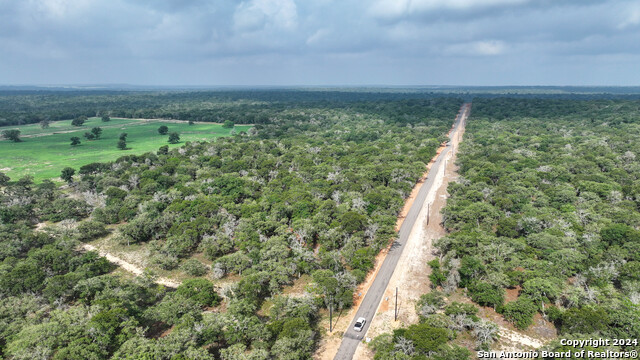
point(548, 203)
point(13, 135)
point(44, 152)
point(314, 193)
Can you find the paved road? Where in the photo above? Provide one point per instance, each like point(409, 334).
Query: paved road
point(374, 295)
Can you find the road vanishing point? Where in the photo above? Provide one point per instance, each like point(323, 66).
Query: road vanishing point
point(372, 298)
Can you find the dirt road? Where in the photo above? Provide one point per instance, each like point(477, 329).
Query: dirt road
point(129, 267)
point(409, 236)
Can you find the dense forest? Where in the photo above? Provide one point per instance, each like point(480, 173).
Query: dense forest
point(252, 106)
point(313, 191)
point(239, 106)
point(547, 204)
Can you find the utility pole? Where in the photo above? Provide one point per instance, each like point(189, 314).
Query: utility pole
point(396, 311)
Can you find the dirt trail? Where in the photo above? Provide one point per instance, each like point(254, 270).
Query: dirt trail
point(129, 266)
point(411, 276)
point(329, 345)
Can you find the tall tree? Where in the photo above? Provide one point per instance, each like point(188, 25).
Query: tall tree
point(67, 174)
point(163, 130)
point(96, 131)
point(75, 141)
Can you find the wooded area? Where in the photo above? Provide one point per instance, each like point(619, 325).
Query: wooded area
point(315, 191)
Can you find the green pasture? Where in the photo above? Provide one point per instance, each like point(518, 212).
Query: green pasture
point(44, 152)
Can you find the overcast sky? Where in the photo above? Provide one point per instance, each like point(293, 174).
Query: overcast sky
point(320, 42)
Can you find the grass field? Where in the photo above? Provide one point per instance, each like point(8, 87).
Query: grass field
point(44, 152)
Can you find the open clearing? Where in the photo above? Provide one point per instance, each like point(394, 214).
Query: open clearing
point(44, 152)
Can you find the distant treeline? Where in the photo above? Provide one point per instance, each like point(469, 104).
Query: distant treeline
point(260, 106)
point(241, 107)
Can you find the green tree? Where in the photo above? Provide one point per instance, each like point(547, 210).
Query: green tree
point(44, 124)
point(228, 124)
point(106, 118)
point(96, 131)
point(13, 135)
point(520, 312)
point(75, 141)
point(201, 291)
point(67, 174)
point(163, 130)
point(174, 138)
point(122, 145)
point(79, 121)
point(4, 179)
point(123, 136)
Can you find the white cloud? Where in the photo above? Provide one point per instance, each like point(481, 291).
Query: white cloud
point(631, 17)
point(257, 14)
point(389, 9)
point(477, 48)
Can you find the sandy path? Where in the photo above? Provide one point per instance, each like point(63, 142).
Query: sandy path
point(328, 346)
point(411, 276)
point(129, 266)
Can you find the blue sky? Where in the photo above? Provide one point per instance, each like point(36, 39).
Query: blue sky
point(320, 42)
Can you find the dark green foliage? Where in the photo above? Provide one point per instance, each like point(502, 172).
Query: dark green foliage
point(437, 276)
point(4, 179)
point(314, 195)
point(619, 234)
point(520, 312)
point(201, 291)
point(549, 203)
point(457, 308)
point(228, 124)
point(75, 141)
point(163, 130)
point(79, 121)
point(105, 118)
point(486, 294)
point(585, 320)
point(96, 131)
point(194, 267)
point(123, 136)
point(67, 174)
point(89, 230)
point(122, 145)
point(13, 135)
point(174, 138)
point(425, 338)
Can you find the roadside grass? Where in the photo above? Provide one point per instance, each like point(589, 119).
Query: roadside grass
point(49, 151)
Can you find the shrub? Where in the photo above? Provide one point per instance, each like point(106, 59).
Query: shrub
point(89, 230)
point(486, 294)
point(201, 291)
point(520, 312)
point(194, 267)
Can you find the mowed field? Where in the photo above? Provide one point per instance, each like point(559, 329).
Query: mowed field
point(44, 152)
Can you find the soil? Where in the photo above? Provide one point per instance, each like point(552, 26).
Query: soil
point(411, 274)
point(129, 266)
